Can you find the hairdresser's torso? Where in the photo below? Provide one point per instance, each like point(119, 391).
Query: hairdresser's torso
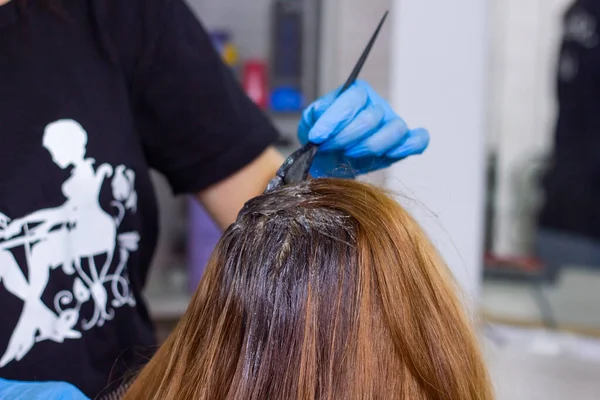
point(80, 123)
point(54, 71)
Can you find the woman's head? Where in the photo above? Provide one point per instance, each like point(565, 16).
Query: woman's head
point(66, 141)
point(323, 290)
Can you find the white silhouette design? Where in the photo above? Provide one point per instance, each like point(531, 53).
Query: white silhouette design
point(78, 236)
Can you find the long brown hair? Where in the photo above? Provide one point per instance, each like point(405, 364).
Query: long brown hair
point(323, 290)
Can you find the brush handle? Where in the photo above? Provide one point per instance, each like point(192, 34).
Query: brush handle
point(363, 58)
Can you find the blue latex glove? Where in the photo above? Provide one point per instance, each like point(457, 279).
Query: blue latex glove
point(358, 133)
point(16, 390)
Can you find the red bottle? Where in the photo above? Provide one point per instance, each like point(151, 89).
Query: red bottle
point(254, 80)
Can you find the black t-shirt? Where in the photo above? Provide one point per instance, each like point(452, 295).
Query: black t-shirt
point(572, 184)
point(93, 93)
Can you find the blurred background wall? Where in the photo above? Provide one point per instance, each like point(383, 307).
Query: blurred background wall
point(439, 80)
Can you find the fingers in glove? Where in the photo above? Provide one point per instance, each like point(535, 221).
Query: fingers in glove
point(389, 137)
point(339, 114)
point(361, 127)
point(416, 142)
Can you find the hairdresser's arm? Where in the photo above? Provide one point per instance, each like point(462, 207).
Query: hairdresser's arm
point(357, 132)
point(225, 199)
point(207, 137)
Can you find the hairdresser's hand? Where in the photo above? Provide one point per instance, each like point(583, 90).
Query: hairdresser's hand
point(15, 390)
point(358, 133)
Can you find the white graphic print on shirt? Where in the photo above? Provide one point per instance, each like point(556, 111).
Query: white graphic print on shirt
point(78, 231)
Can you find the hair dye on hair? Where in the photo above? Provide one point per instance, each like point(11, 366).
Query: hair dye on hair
point(323, 290)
